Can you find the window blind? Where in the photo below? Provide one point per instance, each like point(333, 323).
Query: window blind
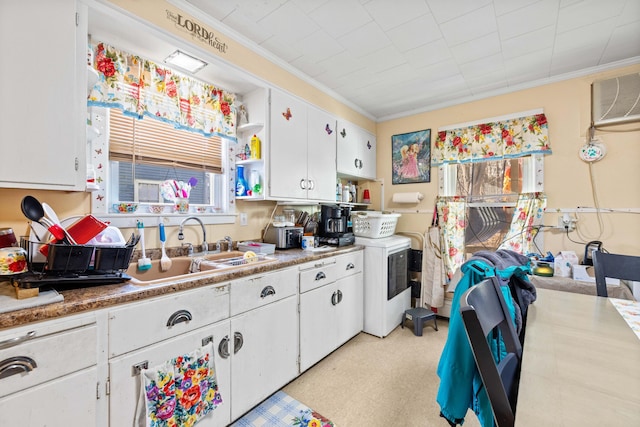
point(150, 141)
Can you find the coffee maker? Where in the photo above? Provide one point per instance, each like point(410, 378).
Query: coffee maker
point(334, 227)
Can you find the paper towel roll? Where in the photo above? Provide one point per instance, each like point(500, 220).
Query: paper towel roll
point(408, 197)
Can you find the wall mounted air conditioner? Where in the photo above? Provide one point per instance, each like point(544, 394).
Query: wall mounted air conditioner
point(616, 100)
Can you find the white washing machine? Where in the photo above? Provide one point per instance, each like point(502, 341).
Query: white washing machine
point(386, 291)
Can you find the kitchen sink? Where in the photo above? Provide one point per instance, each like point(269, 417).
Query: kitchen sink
point(181, 267)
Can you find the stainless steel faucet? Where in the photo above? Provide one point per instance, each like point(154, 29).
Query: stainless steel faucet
point(229, 243)
point(205, 246)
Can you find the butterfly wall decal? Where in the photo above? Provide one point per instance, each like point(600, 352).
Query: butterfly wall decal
point(287, 115)
point(369, 145)
point(100, 197)
point(328, 129)
point(343, 133)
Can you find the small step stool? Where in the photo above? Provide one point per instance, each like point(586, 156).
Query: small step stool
point(419, 315)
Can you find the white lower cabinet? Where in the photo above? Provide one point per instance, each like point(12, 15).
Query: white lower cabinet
point(65, 401)
point(48, 374)
point(331, 306)
point(264, 327)
point(125, 381)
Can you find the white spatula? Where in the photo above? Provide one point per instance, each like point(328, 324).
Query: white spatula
point(165, 261)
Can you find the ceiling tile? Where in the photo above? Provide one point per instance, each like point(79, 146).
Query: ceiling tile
point(630, 13)
point(428, 54)
point(383, 59)
point(530, 42)
point(308, 66)
point(365, 40)
point(529, 18)
point(414, 33)
point(307, 6)
point(281, 48)
point(624, 43)
point(469, 26)
point(489, 64)
point(289, 22)
point(318, 46)
point(479, 47)
point(588, 12)
point(388, 15)
point(532, 66)
point(247, 27)
point(339, 17)
point(507, 6)
point(590, 38)
point(446, 10)
point(216, 9)
point(341, 64)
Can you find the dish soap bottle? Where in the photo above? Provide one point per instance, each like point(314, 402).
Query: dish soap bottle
point(255, 147)
point(241, 183)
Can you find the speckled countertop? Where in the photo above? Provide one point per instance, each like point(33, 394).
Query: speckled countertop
point(98, 297)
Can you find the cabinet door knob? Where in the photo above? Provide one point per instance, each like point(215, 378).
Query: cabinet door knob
point(312, 184)
point(350, 266)
point(268, 290)
point(339, 296)
point(17, 340)
point(238, 341)
point(355, 163)
point(303, 184)
point(178, 317)
point(321, 276)
point(16, 365)
point(223, 347)
point(334, 298)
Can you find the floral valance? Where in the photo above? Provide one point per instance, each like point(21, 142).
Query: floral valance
point(142, 88)
point(511, 138)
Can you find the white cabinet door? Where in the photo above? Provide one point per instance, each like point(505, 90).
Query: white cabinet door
point(265, 353)
point(350, 309)
point(367, 155)
point(321, 155)
point(356, 151)
point(318, 324)
point(43, 87)
point(347, 149)
point(66, 401)
point(124, 383)
point(288, 147)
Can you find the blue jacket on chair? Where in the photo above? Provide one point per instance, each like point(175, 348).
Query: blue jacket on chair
point(460, 383)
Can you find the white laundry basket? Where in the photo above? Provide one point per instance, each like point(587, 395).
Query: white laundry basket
point(374, 225)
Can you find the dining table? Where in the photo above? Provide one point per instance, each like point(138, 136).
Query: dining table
point(580, 362)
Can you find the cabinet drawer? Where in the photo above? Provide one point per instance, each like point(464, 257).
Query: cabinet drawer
point(140, 324)
point(42, 359)
point(348, 264)
point(256, 291)
point(314, 275)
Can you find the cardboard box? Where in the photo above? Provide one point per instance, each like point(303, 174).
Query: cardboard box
point(563, 262)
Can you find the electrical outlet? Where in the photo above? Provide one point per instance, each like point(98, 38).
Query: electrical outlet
point(565, 222)
point(243, 218)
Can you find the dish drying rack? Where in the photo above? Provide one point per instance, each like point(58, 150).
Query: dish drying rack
point(74, 264)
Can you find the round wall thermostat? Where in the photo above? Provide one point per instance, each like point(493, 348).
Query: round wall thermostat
point(593, 151)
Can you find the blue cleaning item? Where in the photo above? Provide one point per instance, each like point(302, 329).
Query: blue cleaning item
point(241, 183)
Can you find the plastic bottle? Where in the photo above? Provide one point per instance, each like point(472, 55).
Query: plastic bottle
point(241, 183)
point(247, 152)
point(255, 147)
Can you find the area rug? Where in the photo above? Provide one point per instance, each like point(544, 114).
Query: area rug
point(281, 410)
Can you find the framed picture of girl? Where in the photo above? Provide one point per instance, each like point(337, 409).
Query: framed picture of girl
point(411, 157)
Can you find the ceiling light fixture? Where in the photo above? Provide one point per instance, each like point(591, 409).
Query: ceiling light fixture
point(185, 61)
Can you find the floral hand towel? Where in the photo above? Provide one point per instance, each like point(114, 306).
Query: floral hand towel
point(180, 391)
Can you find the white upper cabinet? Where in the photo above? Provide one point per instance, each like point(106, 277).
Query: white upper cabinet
point(302, 156)
point(356, 151)
point(43, 94)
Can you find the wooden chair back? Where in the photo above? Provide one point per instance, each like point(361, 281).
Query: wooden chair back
point(625, 267)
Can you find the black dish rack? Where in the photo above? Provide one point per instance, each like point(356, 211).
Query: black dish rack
point(74, 265)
